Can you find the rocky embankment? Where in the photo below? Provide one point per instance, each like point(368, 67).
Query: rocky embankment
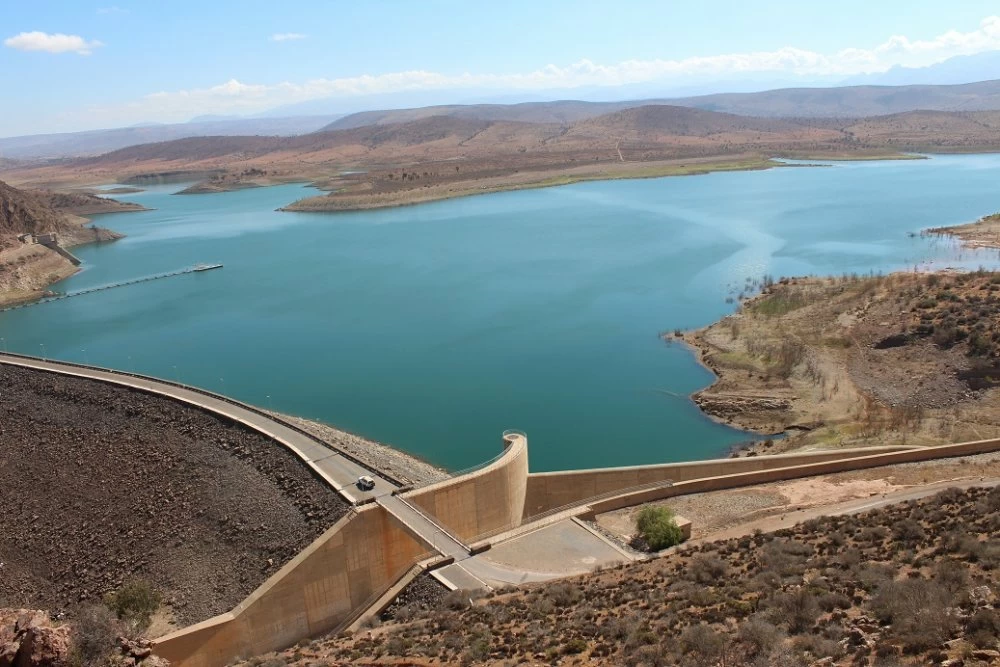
point(29, 638)
point(27, 268)
point(103, 484)
point(858, 361)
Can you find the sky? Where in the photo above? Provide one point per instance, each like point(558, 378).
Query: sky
point(69, 65)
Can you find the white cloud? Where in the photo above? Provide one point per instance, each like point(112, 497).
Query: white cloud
point(286, 36)
point(54, 43)
point(241, 97)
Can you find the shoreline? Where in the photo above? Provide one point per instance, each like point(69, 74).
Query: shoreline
point(348, 200)
point(44, 266)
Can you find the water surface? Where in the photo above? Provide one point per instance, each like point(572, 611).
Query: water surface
point(435, 327)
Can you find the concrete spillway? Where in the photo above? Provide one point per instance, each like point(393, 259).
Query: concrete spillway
point(121, 283)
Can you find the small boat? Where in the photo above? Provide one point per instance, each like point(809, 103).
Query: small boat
point(207, 267)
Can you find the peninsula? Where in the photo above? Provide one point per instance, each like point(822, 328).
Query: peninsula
point(28, 267)
point(375, 162)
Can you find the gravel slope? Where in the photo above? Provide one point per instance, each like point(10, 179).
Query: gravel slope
point(101, 484)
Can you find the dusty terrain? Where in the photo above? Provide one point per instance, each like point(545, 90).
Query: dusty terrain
point(434, 157)
point(102, 484)
point(718, 512)
point(855, 361)
point(909, 584)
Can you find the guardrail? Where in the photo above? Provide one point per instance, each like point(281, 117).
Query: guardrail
point(205, 392)
point(489, 462)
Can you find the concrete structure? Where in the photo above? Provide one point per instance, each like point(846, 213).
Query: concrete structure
point(51, 241)
point(361, 559)
point(332, 466)
point(549, 490)
point(361, 556)
point(483, 501)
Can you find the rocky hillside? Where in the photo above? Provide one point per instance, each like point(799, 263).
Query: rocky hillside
point(910, 584)
point(29, 638)
point(103, 484)
point(23, 213)
point(27, 269)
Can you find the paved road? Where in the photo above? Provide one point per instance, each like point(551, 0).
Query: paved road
point(338, 471)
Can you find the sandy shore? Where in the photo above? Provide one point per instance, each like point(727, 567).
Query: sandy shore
point(983, 233)
point(356, 196)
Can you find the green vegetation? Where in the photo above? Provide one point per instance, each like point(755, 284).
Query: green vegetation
point(134, 603)
point(659, 529)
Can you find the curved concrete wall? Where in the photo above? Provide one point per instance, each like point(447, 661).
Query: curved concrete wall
point(549, 490)
point(778, 472)
point(484, 500)
point(362, 554)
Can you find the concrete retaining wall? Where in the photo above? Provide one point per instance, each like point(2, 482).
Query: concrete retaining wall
point(361, 555)
point(482, 501)
point(794, 471)
point(549, 490)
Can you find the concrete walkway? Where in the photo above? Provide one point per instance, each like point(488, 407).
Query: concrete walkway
point(336, 469)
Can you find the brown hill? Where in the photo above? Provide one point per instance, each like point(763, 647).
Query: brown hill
point(838, 102)
point(23, 213)
point(26, 268)
point(445, 156)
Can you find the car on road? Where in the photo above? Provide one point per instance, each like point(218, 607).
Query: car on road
point(366, 483)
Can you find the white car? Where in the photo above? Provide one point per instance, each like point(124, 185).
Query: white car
point(366, 483)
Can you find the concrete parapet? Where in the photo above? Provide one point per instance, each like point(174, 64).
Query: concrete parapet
point(485, 500)
point(548, 490)
point(793, 469)
point(362, 554)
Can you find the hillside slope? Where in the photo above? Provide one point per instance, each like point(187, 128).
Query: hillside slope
point(28, 268)
point(438, 156)
point(842, 101)
point(909, 584)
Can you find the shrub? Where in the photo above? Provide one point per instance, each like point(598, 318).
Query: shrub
point(564, 594)
point(759, 636)
point(983, 628)
point(94, 635)
point(707, 569)
point(798, 608)
point(916, 610)
point(134, 603)
point(657, 526)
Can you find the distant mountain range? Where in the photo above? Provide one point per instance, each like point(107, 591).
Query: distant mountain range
point(96, 142)
point(838, 102)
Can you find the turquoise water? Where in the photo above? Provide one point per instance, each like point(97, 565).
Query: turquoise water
point(435, 327)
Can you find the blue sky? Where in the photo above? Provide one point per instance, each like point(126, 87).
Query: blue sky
point(81, 65)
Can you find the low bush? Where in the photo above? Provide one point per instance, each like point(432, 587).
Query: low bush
point(95, 633)
point(659, 529)
point(134, 603)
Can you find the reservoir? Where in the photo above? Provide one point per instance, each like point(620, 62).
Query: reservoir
point(435, 327)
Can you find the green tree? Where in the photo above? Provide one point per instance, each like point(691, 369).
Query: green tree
point(658, 527)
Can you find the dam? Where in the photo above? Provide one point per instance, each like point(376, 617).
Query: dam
point(393, 533)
